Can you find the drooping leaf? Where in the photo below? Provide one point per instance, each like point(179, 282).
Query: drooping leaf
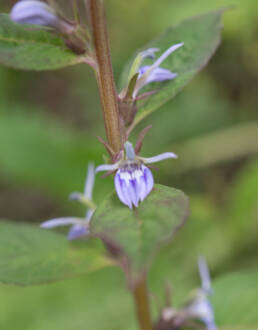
point(201, 37)
point(138, 234)
point(29, 48)
point(30, 255)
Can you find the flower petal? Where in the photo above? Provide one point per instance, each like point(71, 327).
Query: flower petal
point(133, 182)
point(148, 179)
point(33, 12)
point(106, 167)
point(133, 192)
point(166, 54)
point(160, 74)
point(158, 158)
point(59, 222)
point(89, 183)
point(89, 215)
point(77, 231)
point(205, 275)
point(149, 53)
point(157, 75)
point(147, 77)
point(202, 310)
point(121, 191)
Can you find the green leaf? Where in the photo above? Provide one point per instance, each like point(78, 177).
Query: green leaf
point(30, 255)
point(28, 48)
point(34, 140)
point(235, 300)
point(139, 233)
point(201, 37)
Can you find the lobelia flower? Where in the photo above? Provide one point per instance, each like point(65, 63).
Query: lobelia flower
point(37, 12)
point(80, 226)
point(151, 73)
point(133, 179)
point(200, 307)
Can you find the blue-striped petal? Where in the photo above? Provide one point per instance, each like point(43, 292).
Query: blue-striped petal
point(133, 183)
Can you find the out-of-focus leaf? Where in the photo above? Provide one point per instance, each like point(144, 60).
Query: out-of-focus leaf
point(201, 37)
point(37, 151)
point(235, 300)
point(30, 255)
point(28, 48)
point(244, 202)
point(193, 113)
point(79, 303)
point(139, 233)
point(237, 140)
point(203, 234)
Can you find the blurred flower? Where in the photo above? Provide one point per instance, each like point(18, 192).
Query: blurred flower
point(80, 226)
point(152, 73)
point(200, 307)
point(37, 12)
point(133, 180)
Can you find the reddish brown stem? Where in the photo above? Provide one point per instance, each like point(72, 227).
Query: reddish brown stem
point(105, 76)
point(114, 129)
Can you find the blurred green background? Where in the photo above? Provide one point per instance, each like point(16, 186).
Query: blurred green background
point(48, 124)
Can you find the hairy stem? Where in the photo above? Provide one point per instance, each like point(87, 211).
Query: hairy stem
point(105, 76)
point(141, 301)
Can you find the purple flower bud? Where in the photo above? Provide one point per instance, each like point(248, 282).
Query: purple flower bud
point(37, 12)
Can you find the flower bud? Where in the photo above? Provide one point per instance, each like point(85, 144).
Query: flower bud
point(37, 12)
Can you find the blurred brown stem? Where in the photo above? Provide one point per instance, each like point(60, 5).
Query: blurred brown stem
point(109, 99)
point(141, 301)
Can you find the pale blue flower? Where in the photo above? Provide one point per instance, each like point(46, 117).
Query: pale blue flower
point(133, 180)
point(200, 307)
point(80, 226)
point(152, 73)
point(33, 12)
point(36, 12)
